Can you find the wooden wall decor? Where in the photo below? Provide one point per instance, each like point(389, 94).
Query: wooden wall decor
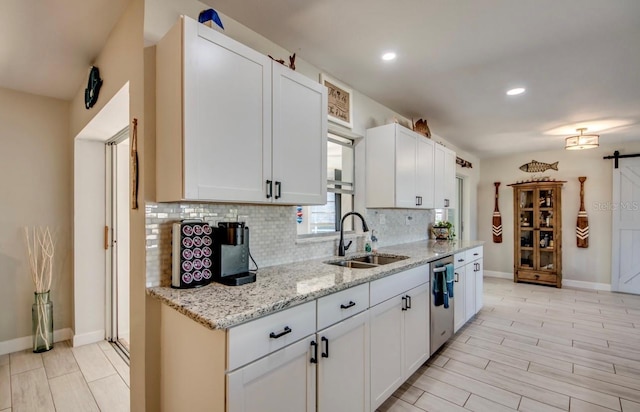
point(582, 227)
point(134, 165)
point(497, 219)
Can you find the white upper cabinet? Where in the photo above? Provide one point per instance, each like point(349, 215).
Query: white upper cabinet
point(445, 177)
point(399, 168)
point(406, 170)
point(299, 138)
point(232, 125)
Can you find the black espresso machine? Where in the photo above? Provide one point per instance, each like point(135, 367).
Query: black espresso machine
point(231, 254)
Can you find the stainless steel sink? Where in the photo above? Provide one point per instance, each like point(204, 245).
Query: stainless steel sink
point(367, 262)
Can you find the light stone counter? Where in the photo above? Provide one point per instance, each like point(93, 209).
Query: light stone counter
point(217, 306)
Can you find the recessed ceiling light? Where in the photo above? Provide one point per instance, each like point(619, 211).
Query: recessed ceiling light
point(516, 91)
point(389, 56)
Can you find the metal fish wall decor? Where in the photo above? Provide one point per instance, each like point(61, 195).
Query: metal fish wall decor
point(536, 167)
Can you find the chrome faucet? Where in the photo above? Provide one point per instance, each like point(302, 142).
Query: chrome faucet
point(341, 247)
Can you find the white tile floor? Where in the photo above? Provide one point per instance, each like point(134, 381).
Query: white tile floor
point(534, 348)
point(87, 378)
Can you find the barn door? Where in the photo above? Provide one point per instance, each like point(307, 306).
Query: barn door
point(625, 271)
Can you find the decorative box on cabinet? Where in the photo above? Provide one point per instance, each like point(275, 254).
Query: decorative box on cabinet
point(233, 126)
point(538, 232)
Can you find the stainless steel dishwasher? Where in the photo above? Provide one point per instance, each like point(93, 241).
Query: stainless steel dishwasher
point(441, 318)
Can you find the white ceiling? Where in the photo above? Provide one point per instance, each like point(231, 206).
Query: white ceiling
point(48, 46)
point(578, 59)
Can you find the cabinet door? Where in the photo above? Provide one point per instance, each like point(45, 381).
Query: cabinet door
point(416, 329)
point(450, 186)
point(425, 172)
point(444, 162)
point(299, 138)
point(227, 117)
point(283, 380)
point(469, 292)
point(479, 273)
point(405, 168)
point(386, 349)
point(343, 366)
point(459, 313)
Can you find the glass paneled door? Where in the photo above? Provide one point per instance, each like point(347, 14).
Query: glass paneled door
point(117, 239)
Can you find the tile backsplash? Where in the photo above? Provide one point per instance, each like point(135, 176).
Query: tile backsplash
point(274, 239)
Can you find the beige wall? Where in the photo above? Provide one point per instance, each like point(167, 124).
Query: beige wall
point(122, 60)
point(587, 265)
point(35, 184)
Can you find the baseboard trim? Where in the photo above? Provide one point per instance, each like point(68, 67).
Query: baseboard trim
point(26, 342)
point(579, 284)
point(89, 337)
point(501, 275)
point(586, 285)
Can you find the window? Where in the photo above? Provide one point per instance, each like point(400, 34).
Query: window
point(325, 219)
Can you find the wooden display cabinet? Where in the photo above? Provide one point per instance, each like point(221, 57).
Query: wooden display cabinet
point(537, 232)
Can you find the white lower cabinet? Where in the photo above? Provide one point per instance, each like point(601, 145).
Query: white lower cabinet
point(343, 366)
point(469, 292)
point(282, 381)
point(399, 341)
point(468, 286)
point(479, 278)
point(459, 277)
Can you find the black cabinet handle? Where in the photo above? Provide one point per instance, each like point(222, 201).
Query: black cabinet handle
point(408, 302)
point(314, 358)
point(351, 304)
point(278, 190)
point(274, 335)
point(457, 279)
point(404, 303)
point(475, 254)
point(269, 189)
point(446, 202)
point(326, 345)
point(460, 260)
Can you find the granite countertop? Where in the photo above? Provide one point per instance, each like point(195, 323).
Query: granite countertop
point(217, 306)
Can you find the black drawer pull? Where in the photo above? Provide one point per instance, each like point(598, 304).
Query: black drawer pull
point(314, 358)
point(404, 303)
point(460, 260)
point(475, 254)
point(350, 305)
point(326, 353)
point(274, 335)
point(457, 279)
point(408, 302)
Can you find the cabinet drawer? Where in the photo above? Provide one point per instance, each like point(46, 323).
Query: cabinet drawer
point(473, 254)
point(460, 259)
point(386, 288)
point(259, 337)
point(341, 305)
point(537, 277)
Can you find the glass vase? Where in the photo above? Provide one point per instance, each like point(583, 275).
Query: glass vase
point(42, 322)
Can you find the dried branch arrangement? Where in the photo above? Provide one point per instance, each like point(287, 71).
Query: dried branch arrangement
point(41, 248)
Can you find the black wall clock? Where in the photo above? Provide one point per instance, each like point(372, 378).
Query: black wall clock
point(93, 88)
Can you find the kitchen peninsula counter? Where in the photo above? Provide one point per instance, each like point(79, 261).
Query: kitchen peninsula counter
point(217, 306)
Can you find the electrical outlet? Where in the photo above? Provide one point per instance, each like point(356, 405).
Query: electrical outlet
point(382, 219)
point(407, 220)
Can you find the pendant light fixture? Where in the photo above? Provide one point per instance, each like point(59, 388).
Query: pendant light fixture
point(581, 141)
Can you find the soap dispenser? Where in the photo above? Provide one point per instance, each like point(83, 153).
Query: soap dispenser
point(367, 243)
point(374, 242)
